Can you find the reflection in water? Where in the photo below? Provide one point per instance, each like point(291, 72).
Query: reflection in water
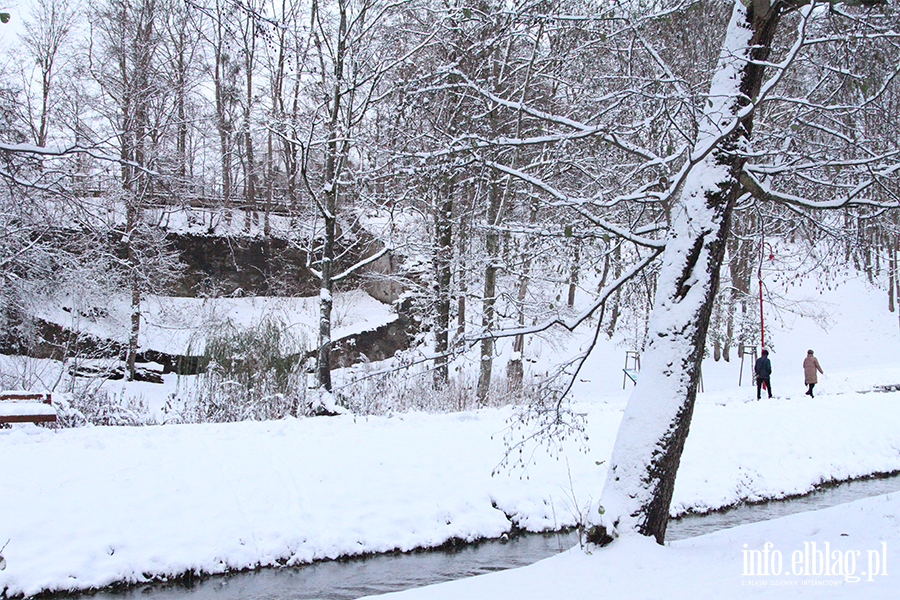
point(348, 579)
point(694, 525)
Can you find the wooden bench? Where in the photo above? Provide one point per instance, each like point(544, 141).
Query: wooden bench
point(26, 407)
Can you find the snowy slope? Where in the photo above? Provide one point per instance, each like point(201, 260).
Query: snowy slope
point(176, 325)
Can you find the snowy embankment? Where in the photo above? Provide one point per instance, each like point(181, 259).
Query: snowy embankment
point(177, 325)
point(87, 507)
point(848, 551)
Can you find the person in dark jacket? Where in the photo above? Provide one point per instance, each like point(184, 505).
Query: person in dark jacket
point(763, 370)
point(810, 378)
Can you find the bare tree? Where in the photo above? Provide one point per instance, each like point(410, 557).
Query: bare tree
point(641, 476)
point(352, 61)
point(46, 36)
point(249, 28)
point(180, 56)
point(128, 38)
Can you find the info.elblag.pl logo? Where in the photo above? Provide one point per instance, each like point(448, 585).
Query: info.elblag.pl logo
point(813, 564)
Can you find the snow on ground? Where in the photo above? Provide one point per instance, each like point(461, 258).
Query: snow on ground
point(849, 327)
point(782, 558)
point(88, 507)
point(175, 325)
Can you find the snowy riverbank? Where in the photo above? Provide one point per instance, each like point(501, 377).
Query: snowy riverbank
point(779, 559)
point(88, 507)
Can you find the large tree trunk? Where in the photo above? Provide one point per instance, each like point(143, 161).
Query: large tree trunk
point(488, 318)
point(326, 284)
point(336, 148)
point(135, 286)
point(892, 273)
point(443, 266)
point(647, 452)
point(515, 368)
point(462, 251)
point(326, 300)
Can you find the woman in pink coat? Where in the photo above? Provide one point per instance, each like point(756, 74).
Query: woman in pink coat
point(810, 366)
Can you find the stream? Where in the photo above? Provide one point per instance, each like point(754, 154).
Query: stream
point(379, 574)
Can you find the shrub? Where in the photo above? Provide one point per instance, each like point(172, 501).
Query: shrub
point(249, 373)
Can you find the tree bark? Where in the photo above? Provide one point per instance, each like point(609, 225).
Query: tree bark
point(335, 152)
point(223, 102)
point(489, 299)
point(574, 272)
point(443, 266)
point(647, 452)
point(251, 182)
point(462, 236)
point(892, 273)
point(515, 368)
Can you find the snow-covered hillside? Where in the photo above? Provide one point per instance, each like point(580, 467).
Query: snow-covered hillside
point(176, 325)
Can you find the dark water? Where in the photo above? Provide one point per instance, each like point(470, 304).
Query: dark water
point(349, 579)
point(694, 525)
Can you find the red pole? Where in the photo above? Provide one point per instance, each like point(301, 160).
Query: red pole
point(762, 331)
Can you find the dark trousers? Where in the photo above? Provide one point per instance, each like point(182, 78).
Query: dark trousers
point(759, 383)
point(810, 390)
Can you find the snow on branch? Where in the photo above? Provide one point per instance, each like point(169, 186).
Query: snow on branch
point(576, 205)
point(360, 265)
point(581, 129)
point(572, 324)
point(44, 187)
point(854, 197)
point(61, 151)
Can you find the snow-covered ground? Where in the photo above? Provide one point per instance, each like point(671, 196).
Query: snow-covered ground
point(779, 559)
point(175, 325)
point(88, 507)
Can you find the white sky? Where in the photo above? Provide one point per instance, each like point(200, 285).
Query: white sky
point(9, 32)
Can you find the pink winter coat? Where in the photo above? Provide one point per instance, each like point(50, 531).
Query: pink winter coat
point(810, 366)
